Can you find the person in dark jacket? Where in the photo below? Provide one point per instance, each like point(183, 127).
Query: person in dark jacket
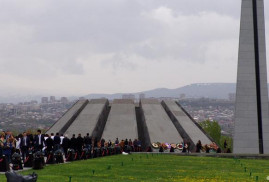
point(49, 144)
point(57, 142)
point(73, 142)
point(8, 147)
point(135, 145)
point(198, 146)
point(126, 145)
point(66, 144)
point(39, 141)
point(31, 137)
point(225, 146)
point(117, 141)
point(24, 145)
point(126, 142)
point(80, 143)
point(103, 142)
point(95, 142)
point(188, 146)
point(109, 144)
point(88, 141)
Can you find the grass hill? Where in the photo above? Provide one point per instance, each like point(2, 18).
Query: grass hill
point(155, 167)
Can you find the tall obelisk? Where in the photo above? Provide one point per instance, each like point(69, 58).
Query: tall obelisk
point(251, 133)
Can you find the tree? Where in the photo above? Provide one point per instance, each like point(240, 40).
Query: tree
point(212, 128)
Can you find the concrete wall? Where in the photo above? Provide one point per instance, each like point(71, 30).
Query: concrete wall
point(121, 122)
point(186, 125)
point(159, 125)
point(87, 120)
point(66, 120)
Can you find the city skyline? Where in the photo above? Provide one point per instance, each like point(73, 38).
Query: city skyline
point(117, 47)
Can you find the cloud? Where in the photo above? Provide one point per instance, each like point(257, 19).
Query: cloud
point(186, 37)
point(121, 61)
point(117, 45)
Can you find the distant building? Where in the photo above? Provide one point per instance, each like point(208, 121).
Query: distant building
point(128, 96)
point(64, 99)
point(82, 98)
point(182, 96)
point(33, 102)
point(142, 96)
point(232, 96)
point(52, 99)
point(34, 107)
point(44, 100)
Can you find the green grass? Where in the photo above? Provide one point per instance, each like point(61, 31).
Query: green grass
point(153, 167)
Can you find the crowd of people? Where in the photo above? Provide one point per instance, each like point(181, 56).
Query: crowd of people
point(7, 144)
point(213, 147)
point(186, 147)
point(25, 143)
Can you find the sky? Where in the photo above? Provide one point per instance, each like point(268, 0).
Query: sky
point(69, 47)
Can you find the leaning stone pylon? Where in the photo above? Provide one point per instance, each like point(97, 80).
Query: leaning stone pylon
point(251, 133)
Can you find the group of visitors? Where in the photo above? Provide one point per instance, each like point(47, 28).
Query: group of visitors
point(26, 143)
point(7, 144)
point(213, 147)
point(22, 143)
point(186, 147)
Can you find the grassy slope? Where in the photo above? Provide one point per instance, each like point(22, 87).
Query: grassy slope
point(142, 167)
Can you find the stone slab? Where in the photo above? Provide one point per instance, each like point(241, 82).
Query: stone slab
point(121, 122)
point(66, 117)
point(187, 124)
point(160, 127)
point(88, 118)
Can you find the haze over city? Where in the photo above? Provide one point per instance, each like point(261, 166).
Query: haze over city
point(80, 47)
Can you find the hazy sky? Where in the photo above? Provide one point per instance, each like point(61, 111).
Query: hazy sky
point(76, 47)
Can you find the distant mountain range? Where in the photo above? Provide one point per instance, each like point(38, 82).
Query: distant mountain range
point(199, 90)
point(207, 90)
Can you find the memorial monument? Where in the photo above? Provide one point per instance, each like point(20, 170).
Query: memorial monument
point(251, 133)
point(150, 121)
